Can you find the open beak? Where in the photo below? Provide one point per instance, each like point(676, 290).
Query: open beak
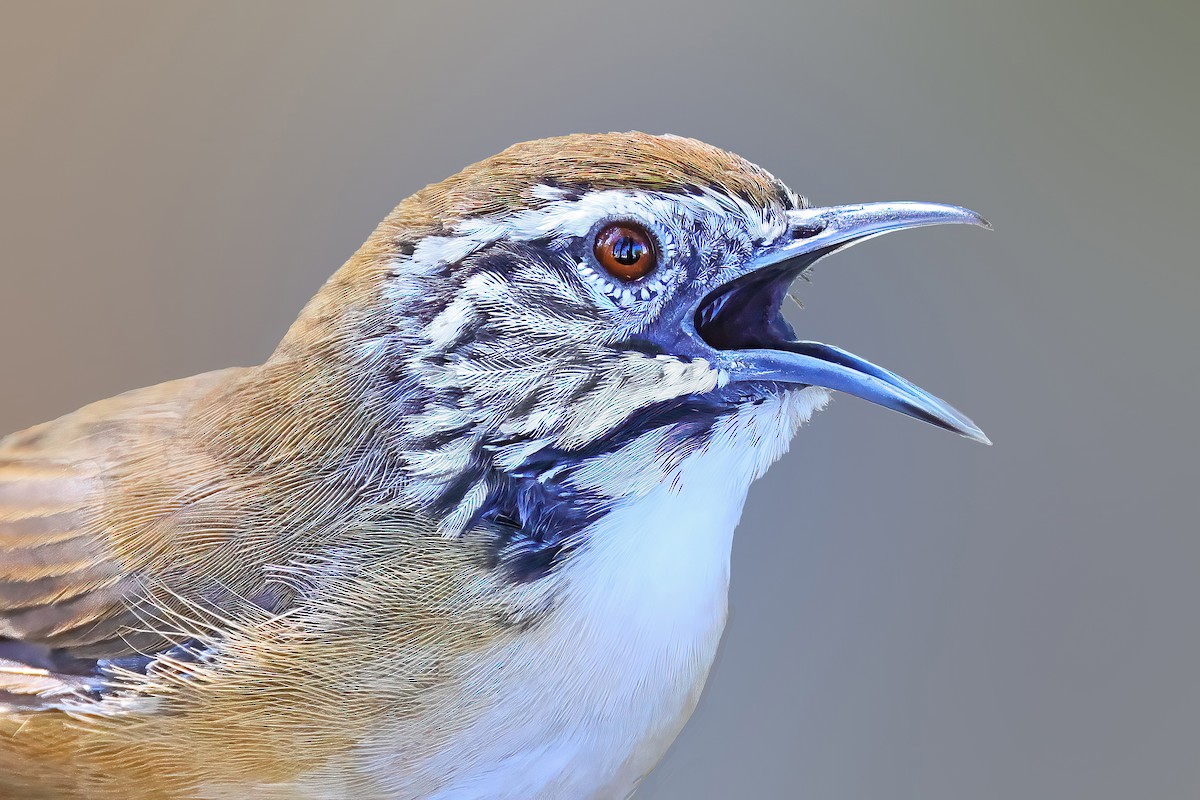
point(742, 319)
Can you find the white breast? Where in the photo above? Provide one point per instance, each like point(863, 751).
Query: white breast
point(586, 704)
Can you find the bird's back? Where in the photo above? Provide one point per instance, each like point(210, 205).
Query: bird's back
point(165, 629)
point(95, 550)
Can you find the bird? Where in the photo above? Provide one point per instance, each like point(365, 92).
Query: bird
point(466, 533)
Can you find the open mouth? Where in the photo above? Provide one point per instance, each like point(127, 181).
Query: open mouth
point(747, 312)
point(741, 322)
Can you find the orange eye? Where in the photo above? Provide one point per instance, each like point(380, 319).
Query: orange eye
point(626, 251)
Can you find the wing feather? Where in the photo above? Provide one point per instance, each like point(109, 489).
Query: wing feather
point(84, 537)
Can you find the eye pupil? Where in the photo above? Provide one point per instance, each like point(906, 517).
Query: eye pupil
point(626, 251)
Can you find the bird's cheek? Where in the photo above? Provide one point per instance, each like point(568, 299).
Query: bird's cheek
point(633, 383)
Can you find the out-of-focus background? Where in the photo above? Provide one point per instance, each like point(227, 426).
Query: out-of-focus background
point(913, 616)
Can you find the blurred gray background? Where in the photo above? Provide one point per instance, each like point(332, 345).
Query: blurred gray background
point(914, 616)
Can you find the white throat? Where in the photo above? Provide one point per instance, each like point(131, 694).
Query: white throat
point(653, 580)
point(660, 564)
point(586, 703)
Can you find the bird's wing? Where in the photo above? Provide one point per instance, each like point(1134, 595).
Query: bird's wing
point(91, 509)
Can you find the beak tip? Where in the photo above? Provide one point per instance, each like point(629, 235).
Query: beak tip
point(975, 218)
point(976, 435)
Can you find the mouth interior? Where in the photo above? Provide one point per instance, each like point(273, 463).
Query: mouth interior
point(747, 313)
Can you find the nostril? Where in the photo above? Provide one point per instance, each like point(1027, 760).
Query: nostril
point(807, 230)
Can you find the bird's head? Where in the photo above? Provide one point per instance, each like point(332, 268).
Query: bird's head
point(571, 301)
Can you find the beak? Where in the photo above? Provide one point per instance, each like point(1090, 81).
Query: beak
point(742, 324)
